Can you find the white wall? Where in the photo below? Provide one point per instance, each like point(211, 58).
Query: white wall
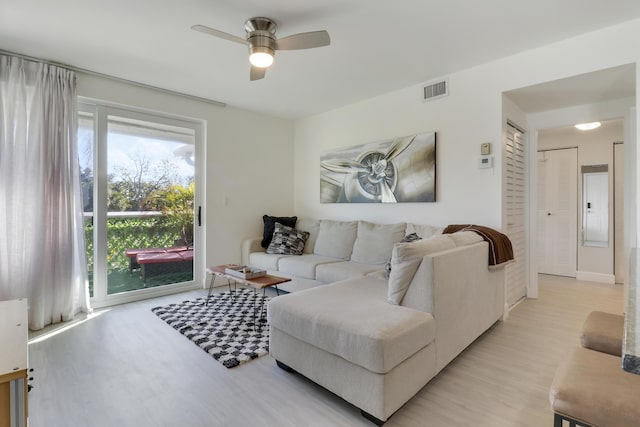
point(248, 162)
point(594, 148)
point(470, 115)
point(460, 131)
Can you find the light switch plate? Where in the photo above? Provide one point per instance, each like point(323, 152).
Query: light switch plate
point(485, 148)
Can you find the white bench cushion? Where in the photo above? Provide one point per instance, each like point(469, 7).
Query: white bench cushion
point(265, 260)
point(352, 319)
point(304, 265)
point(374, 242)
point(336, 238)
point(336, 271)
point(424, 231)
point(311, 226)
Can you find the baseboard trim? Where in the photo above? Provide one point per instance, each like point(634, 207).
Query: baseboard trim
point(609, 279)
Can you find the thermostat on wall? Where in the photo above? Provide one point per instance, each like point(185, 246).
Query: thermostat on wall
point(485, 162)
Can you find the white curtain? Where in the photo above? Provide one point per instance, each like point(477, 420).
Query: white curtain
point(42, 249)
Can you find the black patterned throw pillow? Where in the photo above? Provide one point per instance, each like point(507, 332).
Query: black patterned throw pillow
point(270, 223)
point(287, 241)
point(410, 238)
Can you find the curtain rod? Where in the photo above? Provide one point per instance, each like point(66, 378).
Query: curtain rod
point(117, 79)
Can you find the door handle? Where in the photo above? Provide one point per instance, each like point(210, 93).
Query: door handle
point(199, 216)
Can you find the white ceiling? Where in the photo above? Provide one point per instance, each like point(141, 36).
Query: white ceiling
point(571, 131)
point(376, 47)
point(598, 86)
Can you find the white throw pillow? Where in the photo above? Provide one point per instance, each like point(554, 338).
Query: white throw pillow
point(405, 260)
point(336, 238)
point(424, 231)
point(374, 242)
point(464, 238)
point(312, 227)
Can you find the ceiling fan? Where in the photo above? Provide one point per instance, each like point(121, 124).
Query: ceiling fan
point(262, 42)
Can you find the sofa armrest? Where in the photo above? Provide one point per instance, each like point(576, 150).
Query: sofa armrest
point(464, 296)
point(467, 301)
point(249, 245)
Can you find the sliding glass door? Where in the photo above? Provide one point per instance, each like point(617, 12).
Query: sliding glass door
point(142, 202)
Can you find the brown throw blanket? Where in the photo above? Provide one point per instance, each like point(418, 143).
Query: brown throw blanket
point(500, 249)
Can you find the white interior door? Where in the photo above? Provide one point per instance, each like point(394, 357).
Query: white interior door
point(558, 211)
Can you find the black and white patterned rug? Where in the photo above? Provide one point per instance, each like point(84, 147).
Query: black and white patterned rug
point(225, 327)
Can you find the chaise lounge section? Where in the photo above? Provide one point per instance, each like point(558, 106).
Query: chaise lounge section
point(376, 339)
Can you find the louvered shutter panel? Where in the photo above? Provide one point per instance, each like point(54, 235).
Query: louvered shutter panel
point(514, 213)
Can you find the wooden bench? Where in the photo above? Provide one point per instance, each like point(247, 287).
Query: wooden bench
point(132, 254)
point(155, 261)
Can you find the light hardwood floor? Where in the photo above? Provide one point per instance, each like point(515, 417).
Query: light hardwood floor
point(125, 367)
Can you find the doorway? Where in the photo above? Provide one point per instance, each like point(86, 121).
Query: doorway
point(594, 222)
point(141, 195)
point(557, 211)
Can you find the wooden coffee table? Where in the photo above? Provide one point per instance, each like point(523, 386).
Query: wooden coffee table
point(262, 282)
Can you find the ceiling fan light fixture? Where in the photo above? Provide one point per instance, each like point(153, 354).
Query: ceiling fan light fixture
point(261, 56)
point(261, 59)
point(588, 126)
point(262, 42)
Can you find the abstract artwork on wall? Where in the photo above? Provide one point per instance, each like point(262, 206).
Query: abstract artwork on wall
point(392, 171)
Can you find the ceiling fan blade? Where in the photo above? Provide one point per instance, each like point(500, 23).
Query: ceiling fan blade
point(304, 41)
point(257, 73)
point(218, 33)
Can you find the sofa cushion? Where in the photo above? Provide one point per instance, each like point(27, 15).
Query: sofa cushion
point(424, 231)
point(287, 241)
point(303, 266)
point(336, 238)
point(265, 260)
point(270, 225)
point(413, 237)
point(352, 319)
point(311, 226)
point(405, 260)
point(465, 238)
point(374, 242)
point(329, 273)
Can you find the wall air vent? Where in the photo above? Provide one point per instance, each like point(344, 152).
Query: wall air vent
point(435, 89)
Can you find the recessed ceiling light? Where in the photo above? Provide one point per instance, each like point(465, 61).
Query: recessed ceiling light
point(588, 126)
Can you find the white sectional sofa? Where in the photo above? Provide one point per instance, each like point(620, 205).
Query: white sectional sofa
point(374, 337)
point(335, 250)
